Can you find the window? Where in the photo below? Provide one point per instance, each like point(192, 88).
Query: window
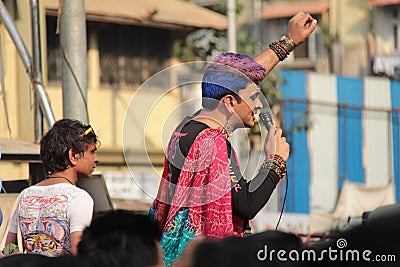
point(129, 55)
point(396, 28)
point(53, 52)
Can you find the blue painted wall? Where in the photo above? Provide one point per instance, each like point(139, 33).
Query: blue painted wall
point(298, 165)
point(395, 99)
point(350, 92)
point(350, 99)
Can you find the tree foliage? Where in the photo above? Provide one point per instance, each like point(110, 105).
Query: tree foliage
point(204, 44)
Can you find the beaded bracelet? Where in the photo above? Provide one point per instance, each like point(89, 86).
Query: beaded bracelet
point(288, 43)
point(279, 50)
point(283, 47)
point(277, 164)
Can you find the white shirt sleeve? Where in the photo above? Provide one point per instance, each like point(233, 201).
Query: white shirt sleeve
point(81, 211)
point(13, 227)
point(14, 223)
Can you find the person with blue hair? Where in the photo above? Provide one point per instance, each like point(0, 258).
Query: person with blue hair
point(202, 192)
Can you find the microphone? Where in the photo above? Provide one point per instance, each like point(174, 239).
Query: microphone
point(266, 119)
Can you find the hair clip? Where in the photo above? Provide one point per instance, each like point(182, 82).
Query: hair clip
point(90, 129)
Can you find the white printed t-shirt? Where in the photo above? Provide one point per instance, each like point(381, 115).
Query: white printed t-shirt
point(49, 214)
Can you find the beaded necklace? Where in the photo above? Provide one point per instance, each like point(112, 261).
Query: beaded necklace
point(61, 177)
point(226, 130)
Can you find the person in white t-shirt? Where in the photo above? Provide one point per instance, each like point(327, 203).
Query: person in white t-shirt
point(53, 213)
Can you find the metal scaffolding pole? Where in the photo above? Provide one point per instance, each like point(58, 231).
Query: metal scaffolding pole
point(27, 62)
point(73, 45)
point(231, 25)
point(37, 66)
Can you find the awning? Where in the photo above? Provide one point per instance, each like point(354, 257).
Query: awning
point(383, 2)
point(285, 10)
point(166, 14)
point(18, 150)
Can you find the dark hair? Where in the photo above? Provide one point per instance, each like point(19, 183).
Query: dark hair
point(65, 134)
point(224, 252)
point(227, 74)
point(38, 260)
point(121, 238)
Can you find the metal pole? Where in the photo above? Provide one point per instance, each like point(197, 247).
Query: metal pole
point(238, 137)
point(257, 7)
point(27, 62)
point(73, 45)
point(231, 25)
point(37, 66)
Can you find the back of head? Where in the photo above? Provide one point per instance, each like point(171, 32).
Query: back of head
point(121, 238)
point(65, 134)
point(227, 74)
point(238, 251)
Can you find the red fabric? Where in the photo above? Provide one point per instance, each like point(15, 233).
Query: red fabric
point(204, 186)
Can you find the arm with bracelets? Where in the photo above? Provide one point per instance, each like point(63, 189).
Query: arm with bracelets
point(298, 30)
point(253, 196)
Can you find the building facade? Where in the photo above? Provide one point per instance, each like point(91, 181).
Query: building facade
point(127, 43)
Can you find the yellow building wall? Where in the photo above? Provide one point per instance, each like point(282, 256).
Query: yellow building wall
point(9, 56)
point(106, 115)
point(351, 23)
point(107, 112)
point(106, 107)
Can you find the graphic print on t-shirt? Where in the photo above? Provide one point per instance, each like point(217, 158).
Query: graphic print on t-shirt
point(44, 224)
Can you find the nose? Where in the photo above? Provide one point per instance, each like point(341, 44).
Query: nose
point(258, 104)
point(96, 159)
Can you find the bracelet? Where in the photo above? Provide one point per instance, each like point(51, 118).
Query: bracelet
point(277, 164)
point(279, 50)
point(283, 47)
point(288, 43)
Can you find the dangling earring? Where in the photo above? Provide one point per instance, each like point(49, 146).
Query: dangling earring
point(227, 130)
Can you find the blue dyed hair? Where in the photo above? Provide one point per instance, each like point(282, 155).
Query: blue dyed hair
point(218, 83)
point(226, 74)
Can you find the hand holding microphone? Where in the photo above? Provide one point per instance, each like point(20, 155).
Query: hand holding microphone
point(266, 119)
point(274, 142)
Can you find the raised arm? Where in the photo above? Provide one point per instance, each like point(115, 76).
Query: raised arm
point(298, 30)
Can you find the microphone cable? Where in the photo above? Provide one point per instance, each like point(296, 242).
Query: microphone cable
point(284, 201)
point(267, 121)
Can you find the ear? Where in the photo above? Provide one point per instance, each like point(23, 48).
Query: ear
point(229, 102)
point(73, 158)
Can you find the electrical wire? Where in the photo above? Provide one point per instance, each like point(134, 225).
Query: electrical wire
point(284, 201)
point(75, 78)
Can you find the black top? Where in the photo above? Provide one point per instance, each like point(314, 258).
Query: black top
point(245, 204)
